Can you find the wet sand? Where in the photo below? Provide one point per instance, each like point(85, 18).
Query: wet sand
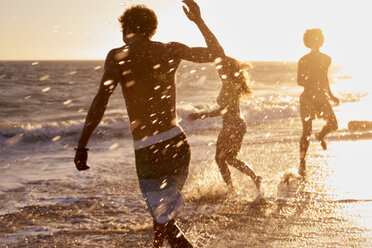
point(332, 208)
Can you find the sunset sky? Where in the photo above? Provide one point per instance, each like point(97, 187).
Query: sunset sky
point(248, 30)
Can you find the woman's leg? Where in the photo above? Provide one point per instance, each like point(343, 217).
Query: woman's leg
point(235, 143)
point(224, 169)
point(245, 168)
point(221, 152)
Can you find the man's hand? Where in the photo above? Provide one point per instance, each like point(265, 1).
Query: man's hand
point(335, 100)
point(192, 116)
point(80, 160)
point(193, 13)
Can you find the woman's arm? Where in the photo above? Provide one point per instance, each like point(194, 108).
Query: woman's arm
point(207, 114)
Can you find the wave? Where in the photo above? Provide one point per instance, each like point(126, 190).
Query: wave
point(256, 110)
point(11, 134)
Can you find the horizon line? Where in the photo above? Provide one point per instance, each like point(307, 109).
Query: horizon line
point(61, 60)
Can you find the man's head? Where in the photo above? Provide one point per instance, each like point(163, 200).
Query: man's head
point(313, 38)
point(139, 20)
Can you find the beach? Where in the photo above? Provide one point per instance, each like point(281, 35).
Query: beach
point(46, 202)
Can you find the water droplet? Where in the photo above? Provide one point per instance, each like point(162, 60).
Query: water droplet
point(218, 60)
point(67, 102)
point(126, 72)
point(14, 140)
point(46, 89)
point(163, 185)
point(113, 146)
point(108, 82)
point(56, 138)
point(130, 83)
point(156, 66)
point(45, 77)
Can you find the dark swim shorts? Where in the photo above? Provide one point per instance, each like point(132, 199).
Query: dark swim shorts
point(162, 169)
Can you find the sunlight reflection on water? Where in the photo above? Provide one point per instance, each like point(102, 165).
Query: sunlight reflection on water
point(351, 171)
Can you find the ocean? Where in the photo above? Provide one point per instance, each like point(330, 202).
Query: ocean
point(46, 202)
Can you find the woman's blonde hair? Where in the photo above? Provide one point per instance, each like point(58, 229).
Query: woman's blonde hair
point(236, 72)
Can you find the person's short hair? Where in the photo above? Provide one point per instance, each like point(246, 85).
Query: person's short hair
point(140, 20)
point(313, 37)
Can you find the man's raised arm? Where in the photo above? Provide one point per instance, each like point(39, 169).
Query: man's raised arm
point(199, 54)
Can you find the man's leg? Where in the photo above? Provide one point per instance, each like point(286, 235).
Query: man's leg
point(159, 235)
point(172, 233)
point(304, 143)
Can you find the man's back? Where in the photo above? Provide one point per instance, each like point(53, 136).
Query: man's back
point(313, 72)
point(147, 71)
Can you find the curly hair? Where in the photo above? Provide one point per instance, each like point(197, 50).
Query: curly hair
point(233, 71)
point(313, 38)
point(140, 20)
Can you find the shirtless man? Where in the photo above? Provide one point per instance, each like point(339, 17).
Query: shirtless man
point(312, 74)
point(146, 70)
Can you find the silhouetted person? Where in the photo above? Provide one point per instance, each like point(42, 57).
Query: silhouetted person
point(312, 74)
point(229, 142)
point(146, 70)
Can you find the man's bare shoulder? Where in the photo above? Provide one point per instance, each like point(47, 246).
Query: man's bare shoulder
point(172, 45)
point(305, 57)
point(302, 60)
point(326, 57)
point(113, 54)
point(111, 63)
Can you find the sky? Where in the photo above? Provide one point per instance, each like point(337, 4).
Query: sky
point(269, 30)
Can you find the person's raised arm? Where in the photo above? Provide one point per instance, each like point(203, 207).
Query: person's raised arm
point(301, 78)
point(199, 54)
point(96, 111)
point(330, 94)
point(328, 87)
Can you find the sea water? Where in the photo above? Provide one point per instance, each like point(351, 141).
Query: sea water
point(46, 202)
